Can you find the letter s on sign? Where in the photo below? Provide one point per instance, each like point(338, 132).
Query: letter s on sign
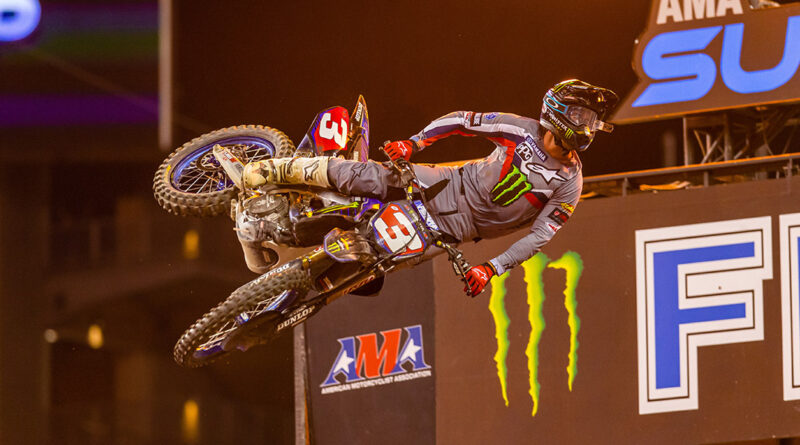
point(18, 19)
point(658, 64)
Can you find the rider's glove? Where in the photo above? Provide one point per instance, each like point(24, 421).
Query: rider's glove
point(400, 149)
point(477, 277)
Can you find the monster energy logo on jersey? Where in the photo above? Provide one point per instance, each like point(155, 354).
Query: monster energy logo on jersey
point(514, 183)
point(534, 268)
point(511, 187)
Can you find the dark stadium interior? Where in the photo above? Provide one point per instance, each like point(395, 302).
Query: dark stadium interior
point(85, 247)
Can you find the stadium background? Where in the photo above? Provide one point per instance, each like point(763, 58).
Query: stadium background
point(96, 282)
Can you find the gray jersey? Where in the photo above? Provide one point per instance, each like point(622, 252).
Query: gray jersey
point(519, 184)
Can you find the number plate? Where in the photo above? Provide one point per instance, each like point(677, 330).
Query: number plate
point(395, 231)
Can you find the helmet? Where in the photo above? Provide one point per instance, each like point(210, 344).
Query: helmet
point(573, 110)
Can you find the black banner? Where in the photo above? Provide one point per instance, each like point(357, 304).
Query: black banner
point(675, 311)
point(670, 312)
point(371, 365)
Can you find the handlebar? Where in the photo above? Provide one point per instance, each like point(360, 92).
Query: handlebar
point(409, 180)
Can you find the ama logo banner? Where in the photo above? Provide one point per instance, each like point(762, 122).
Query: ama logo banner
point(369, 360)
point(704, 55)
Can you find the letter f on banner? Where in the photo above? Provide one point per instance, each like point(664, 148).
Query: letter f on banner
point(790, 303)
point(697, 285)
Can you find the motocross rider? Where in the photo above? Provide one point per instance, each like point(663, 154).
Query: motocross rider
point(532, 176)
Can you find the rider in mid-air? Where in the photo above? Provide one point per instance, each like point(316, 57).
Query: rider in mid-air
point(534, 174)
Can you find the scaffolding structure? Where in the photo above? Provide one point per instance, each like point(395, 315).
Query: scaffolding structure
point(740, 133)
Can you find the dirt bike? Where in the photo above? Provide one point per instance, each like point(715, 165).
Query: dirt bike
point(362, 239)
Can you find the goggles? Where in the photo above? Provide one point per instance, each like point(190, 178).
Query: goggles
point(579, 116)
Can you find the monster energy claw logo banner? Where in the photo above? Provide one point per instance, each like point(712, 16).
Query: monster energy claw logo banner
point(534, 268)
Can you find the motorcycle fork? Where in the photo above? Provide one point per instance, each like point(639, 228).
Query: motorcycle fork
point(333, 279)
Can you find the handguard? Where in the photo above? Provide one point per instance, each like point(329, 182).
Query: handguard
point(347, 246)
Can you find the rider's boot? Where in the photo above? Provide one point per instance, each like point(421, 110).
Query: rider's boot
point(310, 171)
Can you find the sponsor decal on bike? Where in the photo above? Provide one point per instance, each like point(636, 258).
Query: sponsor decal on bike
point(534, 268)
point(423, 212)
point(363, 363)
point(277, 270)
point(296, 317)
point(359, 283)
point(359, 111)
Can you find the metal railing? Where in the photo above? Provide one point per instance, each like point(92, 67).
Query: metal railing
point(698, 175)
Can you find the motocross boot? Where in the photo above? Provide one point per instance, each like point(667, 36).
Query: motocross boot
point(310, 171)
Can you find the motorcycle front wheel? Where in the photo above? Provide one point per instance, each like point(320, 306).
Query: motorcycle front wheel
point(248, 317)
point(190, 182)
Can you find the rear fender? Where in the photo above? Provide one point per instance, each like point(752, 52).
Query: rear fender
point(328, 134)
point(335, 132)
point(359, 131)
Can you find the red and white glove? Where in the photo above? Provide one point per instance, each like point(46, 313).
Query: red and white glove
point(477, 277)
point(400, 149)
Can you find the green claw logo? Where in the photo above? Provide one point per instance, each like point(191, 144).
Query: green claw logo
point(534, 268)
point(511, 188)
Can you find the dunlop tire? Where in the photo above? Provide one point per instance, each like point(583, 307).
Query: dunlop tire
point(214, 203)
point(241, 300)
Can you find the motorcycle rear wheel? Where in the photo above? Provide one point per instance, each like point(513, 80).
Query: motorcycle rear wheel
point(190, 182)
point(205, 341)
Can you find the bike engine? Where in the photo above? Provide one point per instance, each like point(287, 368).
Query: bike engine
point(263, 218)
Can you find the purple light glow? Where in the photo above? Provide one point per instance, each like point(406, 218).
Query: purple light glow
point(41, 111)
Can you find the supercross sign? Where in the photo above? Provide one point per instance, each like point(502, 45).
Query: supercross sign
point(700, 285)
point(702, 55)
point(361, 363)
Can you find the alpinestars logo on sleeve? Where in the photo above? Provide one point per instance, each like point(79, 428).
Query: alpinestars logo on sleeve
point(544, 172)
